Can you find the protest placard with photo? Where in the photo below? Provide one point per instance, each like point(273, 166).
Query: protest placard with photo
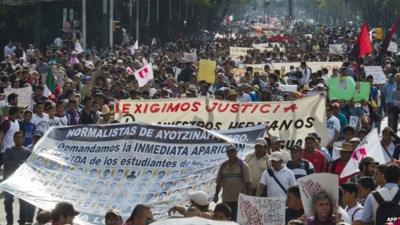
point(117, 166)
point(314, 183)
point(261, 211)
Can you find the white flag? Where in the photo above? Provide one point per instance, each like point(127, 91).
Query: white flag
point(370, 146)
point(144, 75)
point(136, 45)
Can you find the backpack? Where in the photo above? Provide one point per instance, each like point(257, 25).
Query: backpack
point(386, 209)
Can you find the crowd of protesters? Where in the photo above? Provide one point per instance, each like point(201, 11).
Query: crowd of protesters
point(89, 83)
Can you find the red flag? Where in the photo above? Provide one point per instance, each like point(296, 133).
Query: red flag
point(363, 42)
point(389, 35)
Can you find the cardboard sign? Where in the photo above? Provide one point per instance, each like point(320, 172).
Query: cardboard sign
point(393, 47)
point(377, 73)
point(261, 211)
point(314, 183)
point(207, 71)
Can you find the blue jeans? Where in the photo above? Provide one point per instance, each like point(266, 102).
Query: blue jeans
point(26, 210)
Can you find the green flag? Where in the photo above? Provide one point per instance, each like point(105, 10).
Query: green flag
point(50, 81)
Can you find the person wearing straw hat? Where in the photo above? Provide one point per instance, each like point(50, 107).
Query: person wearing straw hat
point(105, 115)
point(337, 166)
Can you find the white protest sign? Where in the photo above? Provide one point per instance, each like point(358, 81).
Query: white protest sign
point(24, 95)
point(192, 221)
point(117, 166)
point(314, 183)
point(261, 211)
point(336, 49)
point(190, 56)
point(377, 73)
point(393, 47)
point(353, 122)
point(308, 35)
point(288, 88)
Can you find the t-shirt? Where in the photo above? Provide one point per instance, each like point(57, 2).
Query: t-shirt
point(355, 213)
point(63, 120)
point(54, 122)
point(291, 214)
point(286, 178)
point(28, 128)
point(257, 167)
point(13, 158)
point(41, 123)
point(333, 125)
point(302, 169)
point(317, 159)
point(337, 167)
point(233, 181)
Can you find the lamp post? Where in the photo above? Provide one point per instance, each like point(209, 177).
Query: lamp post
point(266, 4)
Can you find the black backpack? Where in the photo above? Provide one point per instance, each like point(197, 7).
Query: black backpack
point(386, 209)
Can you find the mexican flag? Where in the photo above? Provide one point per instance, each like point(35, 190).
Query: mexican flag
point(50, 86)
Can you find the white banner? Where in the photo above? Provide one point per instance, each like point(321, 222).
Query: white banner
point(314, 183)
point(315, 66)
point(290, 120)
point(261, 211)
point(236, 52)
point(377, 73)
point(117, 166)
point(24, 95)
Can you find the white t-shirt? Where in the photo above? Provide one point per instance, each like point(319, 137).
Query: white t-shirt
point(355, 213)
point(286, 178)
point(244, 98)
point(333, 125)
point(55, 122)
point(42, 123)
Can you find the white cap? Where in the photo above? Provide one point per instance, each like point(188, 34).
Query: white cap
point(276, 156)
point(261, 141)
point(199, 197)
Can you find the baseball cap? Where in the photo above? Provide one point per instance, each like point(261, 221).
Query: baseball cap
point(64, 208)
point(276, 156)
point(199, 197)
point(310, 136)
point(260, 141)
point(111, 213)
point(355, 139)
point(368, 160)
point(232, 147)
point(275, 139)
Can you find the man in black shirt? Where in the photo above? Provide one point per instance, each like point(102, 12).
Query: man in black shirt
point(88, 116)
point(294, 208)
